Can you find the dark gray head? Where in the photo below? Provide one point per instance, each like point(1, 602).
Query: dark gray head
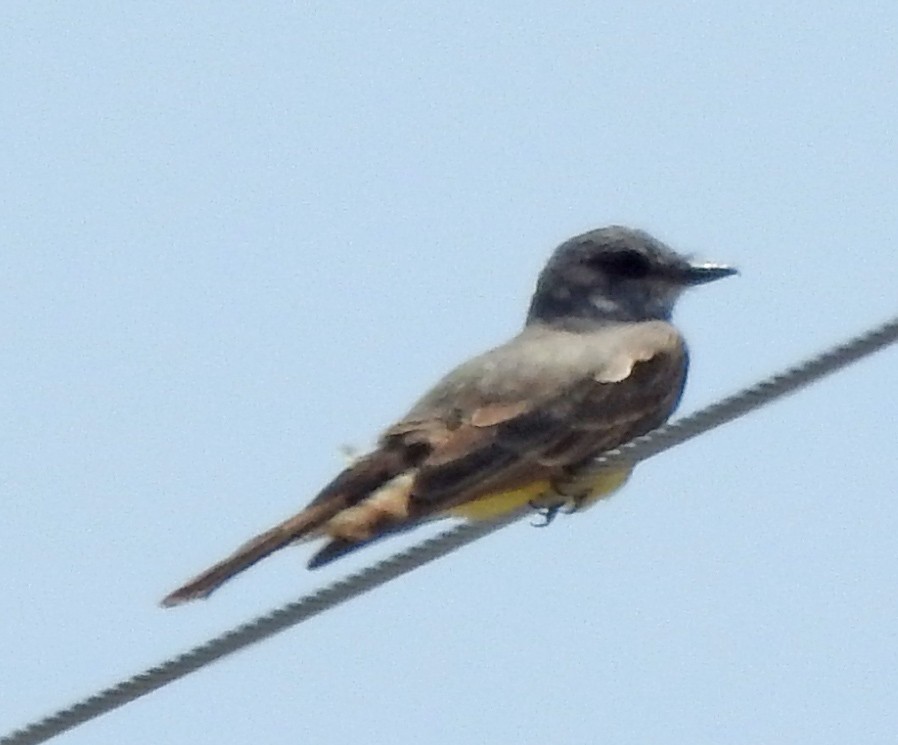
point(615, 274)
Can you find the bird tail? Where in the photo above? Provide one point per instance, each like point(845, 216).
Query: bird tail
point(349, 488)
point(337, 548)
point(250, 553)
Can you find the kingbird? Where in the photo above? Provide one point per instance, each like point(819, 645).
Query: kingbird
point(597, 363)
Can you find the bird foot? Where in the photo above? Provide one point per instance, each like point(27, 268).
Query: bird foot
point(547, 512)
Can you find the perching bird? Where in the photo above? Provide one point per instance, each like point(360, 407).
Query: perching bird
point(597, 363)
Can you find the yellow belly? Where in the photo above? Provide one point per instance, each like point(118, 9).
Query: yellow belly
point(493, 505)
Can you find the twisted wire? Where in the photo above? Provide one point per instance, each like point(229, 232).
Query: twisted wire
point(365, 580)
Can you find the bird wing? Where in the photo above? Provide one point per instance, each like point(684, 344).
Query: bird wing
point(530, 411)
point(543, 403)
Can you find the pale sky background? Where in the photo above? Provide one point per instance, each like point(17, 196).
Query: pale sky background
point(236, 236)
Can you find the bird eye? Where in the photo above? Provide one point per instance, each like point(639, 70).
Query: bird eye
point(624, 264)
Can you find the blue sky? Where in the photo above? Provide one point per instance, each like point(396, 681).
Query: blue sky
point(238, 237)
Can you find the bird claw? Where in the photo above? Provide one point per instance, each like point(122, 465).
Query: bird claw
point(547, 512)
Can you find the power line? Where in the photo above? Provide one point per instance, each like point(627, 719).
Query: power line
point(367, 579)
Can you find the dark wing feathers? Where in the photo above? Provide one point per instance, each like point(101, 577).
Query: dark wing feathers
point(554, 432)
point(546, 401)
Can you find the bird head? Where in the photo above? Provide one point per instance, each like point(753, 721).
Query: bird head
point(615, 274)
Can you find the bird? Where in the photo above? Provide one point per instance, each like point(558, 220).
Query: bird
point(598, 362)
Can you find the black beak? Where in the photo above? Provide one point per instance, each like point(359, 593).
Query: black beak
point(701, 272)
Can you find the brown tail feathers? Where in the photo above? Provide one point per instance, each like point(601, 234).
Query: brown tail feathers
point(349, 488)
point(250, 553)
